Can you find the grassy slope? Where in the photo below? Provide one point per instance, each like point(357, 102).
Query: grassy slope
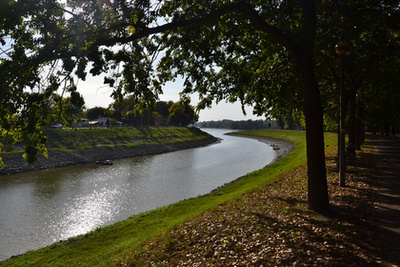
point(115, 242)
point(271, 226)
point(81, 138)
point(125, 136)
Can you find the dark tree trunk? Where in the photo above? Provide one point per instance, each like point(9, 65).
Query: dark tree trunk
point(352, 118)
point(318, 199)
point(360, 133)
point(341, 139)
point(302, 53)
point(338, 142)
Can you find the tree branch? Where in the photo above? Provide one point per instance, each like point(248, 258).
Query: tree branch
point(238, 7)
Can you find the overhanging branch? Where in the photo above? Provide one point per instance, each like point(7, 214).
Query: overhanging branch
point(239, 7)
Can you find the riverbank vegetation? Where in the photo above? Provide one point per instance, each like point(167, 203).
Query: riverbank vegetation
point(280, 122)
point(121, 136)
point(68, 147)
point(241, 125)
point(259, 219)
point(83, 138)
point(126, 111)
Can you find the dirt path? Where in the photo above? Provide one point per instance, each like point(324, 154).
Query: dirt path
point(387, 158)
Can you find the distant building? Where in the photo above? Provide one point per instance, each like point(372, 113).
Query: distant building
point(94, 124)
point(105, 122)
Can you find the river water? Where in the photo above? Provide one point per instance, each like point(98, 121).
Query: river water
point(39, 208)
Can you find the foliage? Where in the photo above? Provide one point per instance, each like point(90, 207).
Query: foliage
point(96, 112)
point(112, 36)
point(370, 28)
point(162, 108)
point(258, 52)
point(127, 110)
point(231, 59)
point(380, 99)
point(182, 114)
point(239, 125)
point(84, 138)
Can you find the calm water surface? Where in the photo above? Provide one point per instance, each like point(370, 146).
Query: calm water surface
point(37, 209)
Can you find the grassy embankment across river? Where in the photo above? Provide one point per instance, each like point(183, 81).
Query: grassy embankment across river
point(84, 138)
point(123, 136)
point(148, 238)
point(85, 146)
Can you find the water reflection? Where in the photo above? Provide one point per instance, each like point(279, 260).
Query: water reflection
point(87, 212)
point(39, 208)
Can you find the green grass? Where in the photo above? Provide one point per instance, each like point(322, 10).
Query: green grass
point(104, 245)
point(83, 138)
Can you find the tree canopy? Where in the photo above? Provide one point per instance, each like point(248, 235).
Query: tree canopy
point(275, 55)
point(181, 114)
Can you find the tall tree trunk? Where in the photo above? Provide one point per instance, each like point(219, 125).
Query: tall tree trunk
point(318, 199)
point(360, 132)
point(302, 53)
point(352, 118)
point(338, 142)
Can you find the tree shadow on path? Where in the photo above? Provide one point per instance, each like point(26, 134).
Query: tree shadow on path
point(387, 159)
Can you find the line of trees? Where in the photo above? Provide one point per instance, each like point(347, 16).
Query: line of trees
point(278, 56)
point(163, 113)
point(239, 125)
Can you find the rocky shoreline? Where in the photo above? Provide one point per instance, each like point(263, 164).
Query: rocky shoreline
point(58, 159)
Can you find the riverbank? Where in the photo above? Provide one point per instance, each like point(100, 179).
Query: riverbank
point(281, 146)
point(271, 226)
point(112, 245)
point(149, 145)
point(58, 159)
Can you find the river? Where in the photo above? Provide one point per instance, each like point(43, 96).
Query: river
point(39, 208)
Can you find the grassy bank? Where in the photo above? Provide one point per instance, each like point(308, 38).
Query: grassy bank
point(159, 236)
point(271, 226)
point(123, 136)
point(69, 147)
point(83, 138)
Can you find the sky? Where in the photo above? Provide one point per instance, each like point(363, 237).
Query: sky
point(96, 94)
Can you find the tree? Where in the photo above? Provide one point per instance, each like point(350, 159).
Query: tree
point(243, 41)
point(372, 47)
point(128, 111)
point(182, 114)
point(86, 32)
point(258, 52)
point(162, 108)
point(96, 112)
